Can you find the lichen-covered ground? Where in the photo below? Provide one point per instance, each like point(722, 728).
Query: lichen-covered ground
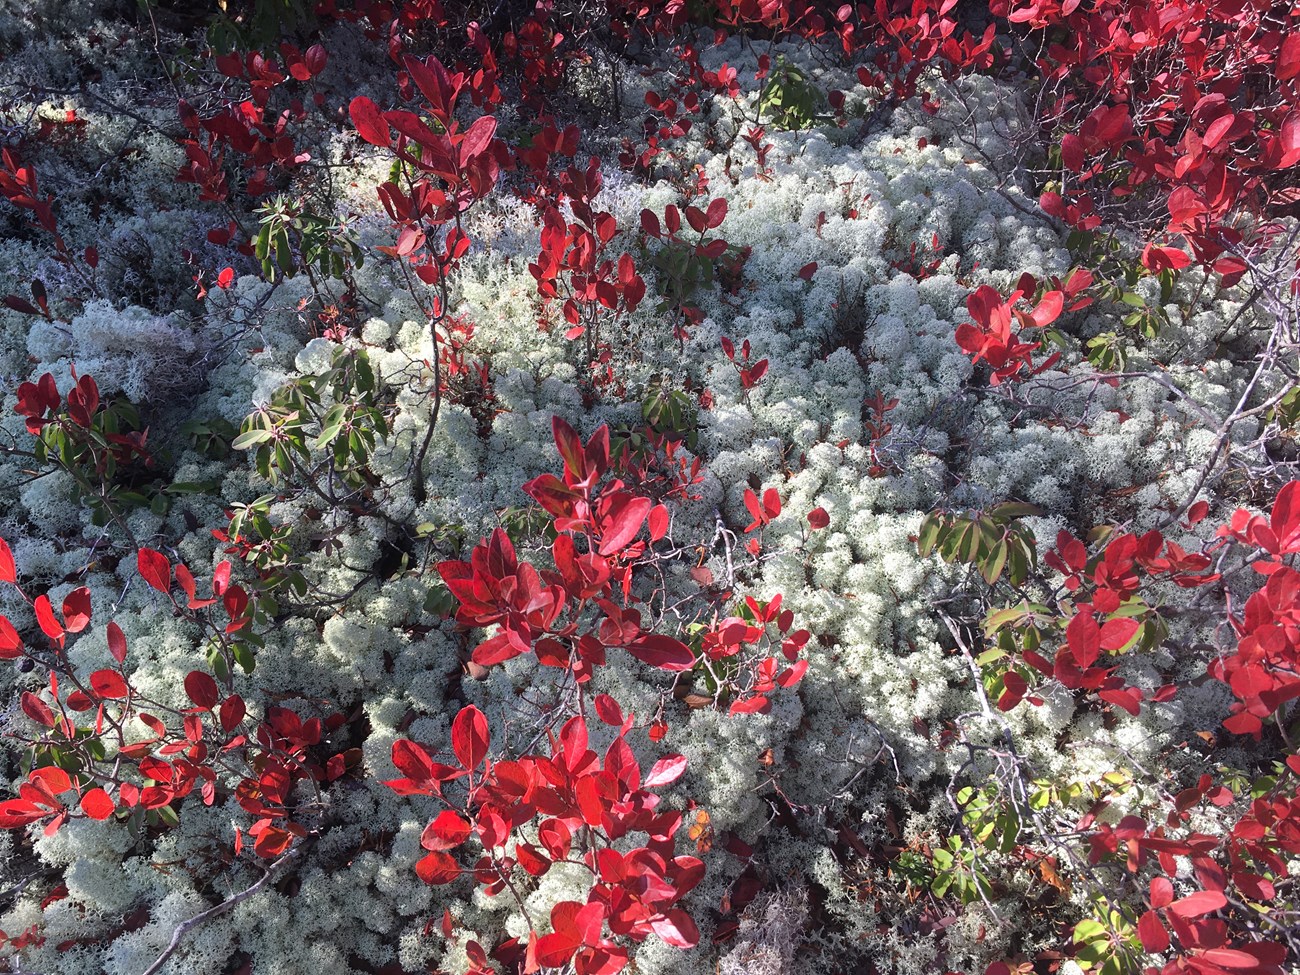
point(864, 747)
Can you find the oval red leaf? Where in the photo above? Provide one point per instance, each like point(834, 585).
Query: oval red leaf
point(369, 122)
point(470, 737)
point(202, 689)
point(447, 831)
point(97, 804)
point(437, 868)
point(108, 683)
point(155, 569)
point(116, 642)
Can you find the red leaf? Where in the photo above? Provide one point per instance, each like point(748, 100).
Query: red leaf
point(1200, 903)
point(1155, 938)
point(716, 213)
point(677, 929)
point(608, 711)
point(231, 712)
point(447, 831)
point(758, 704)
point(271, 842)
point(1116, 633)
point(202, 689)
point(8, 573)
point(477, 138)
point(657, 522)
point(771, 500)
point(315, 59)
point(437, 868)
point(45, 617)
point(155, 569)
point(76, 609)
point(369, 122)
point(1128, 698)
point(36, 709)
point(665, 771)
point(1014, 691)
point(624, 514)
point(1232, 958)
point(96, 804)
point(808, 270)
point(663, 652)
point(818, 519)
point(226, 277)
point(116, 642)
point(19, 812)
point(1288, 59)
point(1084, 637)
point(108, 683)
point(469, 737)
point(11, 644)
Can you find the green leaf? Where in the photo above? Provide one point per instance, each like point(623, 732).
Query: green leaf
point(1008, 510)
point(993, 566)
point(928, 534)
point(243, 654)
point(250, 438)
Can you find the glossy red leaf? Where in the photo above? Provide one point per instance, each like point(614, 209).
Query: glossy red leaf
point(231, 712)
point(677, 929)
point(369, 122)
point(36, 709)
point(202, 689)
point(470, 737)
point(447, 831)
point(8, 572)
point(1288, 58)
point(665, 771)
point(1198, 904)
point(657, 522)
point(623, 516)
point(76, 609)
point(663, 652)
point(48, 622)
point(11, 644)
point(608, 711)
point(437, 868)
point(97, 804)
point(155, 569)
point(818, 519)
point(16, 813)
point(477, 138)
point(108, 683)
point(1084, 637)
